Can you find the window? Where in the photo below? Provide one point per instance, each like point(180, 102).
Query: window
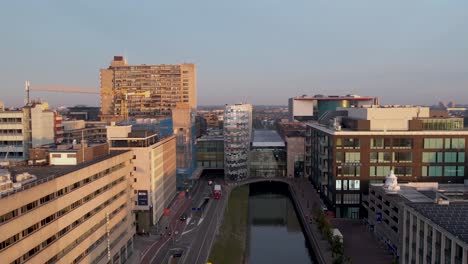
point(402, 143)
point(351, 171)
point(338, 184)
point(403, 157)
point(403, 171)
point(351, 198)
point(351, 143)
point(435, 171)
point(338, 198)
point(379, 171)
point(339, 157)
point(454, 143)
point(56, 155)
point(432, 157)
point(450, 157)
point(452, 171)
point(354, 184)
point(380, 157)
point(345, 184)
point(352, 157)
point(70, 156)
point(433, 143)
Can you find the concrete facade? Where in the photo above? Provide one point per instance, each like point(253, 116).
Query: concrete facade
point(145, 90)
point(70, 213)
point(154, 169)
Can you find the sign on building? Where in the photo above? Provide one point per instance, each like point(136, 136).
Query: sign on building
point(142, 197)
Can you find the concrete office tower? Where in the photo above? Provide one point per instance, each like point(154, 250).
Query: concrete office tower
point(155, 167)
point(359, 146)
point(145, 90)
point(78, 213)
point(27, 127)
point(183, 118)
point(237, 138)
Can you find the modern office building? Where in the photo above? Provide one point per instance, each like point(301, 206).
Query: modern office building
point(154, 170)
point(267, 155)
point(293, 134)
point(145, 90)
point(420, 222)
point(70, 211)
point(305, 108)
point(358, 146)
point(210, 150)
point(27, 127)
point(237, 137)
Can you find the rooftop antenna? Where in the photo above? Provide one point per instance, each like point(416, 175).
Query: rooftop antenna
point(26, 86)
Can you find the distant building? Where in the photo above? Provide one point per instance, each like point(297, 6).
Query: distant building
point(68, 213)
point(293, 133)
point(304, 108)
point(421, 222)
point(267, 155)
point(237, 138)
point(83, 112)
point(31, 126)
point(354, 147)
point(129, 91)
point(154, 164)
point(78, 130)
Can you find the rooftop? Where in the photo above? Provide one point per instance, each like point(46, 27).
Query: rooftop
point(267, 138)
point(452, 217)
point(47, 173)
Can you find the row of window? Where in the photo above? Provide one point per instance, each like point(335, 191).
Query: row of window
point(348, 198)
point(448, 171)
point(67, 229)
point(400, 157)
point(447, 143)
point(347, 184)
point(26, 232)
point(30, 206)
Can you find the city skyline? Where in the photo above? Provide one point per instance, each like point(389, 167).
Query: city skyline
point(244, 50)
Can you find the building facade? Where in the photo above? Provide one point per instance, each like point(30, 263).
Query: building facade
point(305, 108)
point(154, 170)
point(346, 153)
point(25, 128)
point(210, 150)
point(237, 137)
point(293, 133)
point(267, 154)
point(69, 213)
point(145, 90)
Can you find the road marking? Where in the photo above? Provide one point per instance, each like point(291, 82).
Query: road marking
point(206, 234)
point(200, 221)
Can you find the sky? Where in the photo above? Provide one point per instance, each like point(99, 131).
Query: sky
point(258, 51)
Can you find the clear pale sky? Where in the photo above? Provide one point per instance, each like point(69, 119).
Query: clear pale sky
point(260, 51)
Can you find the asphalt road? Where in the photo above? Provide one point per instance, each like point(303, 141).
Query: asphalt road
point(195, 239)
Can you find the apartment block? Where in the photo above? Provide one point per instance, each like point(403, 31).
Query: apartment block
point(353, 147)
point(27, 127)
point(145, 90)
point(237, 138)
point(68, 212)
point(154, 170)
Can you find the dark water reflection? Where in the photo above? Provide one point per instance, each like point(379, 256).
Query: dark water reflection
point(275, 233)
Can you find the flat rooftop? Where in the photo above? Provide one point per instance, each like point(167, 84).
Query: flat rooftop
point(451, 217)
point(47, 173)
point(267, 138)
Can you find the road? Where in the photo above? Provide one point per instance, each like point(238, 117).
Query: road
point(194, 238)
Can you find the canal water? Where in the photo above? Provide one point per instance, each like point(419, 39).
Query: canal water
point(274, 234)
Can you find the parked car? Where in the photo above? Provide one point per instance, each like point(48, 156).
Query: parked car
point(183, 217)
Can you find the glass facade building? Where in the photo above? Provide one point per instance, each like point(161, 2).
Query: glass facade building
point(237, 137)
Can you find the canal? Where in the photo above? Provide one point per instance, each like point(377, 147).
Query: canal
point(274, 233)
point(260, 226)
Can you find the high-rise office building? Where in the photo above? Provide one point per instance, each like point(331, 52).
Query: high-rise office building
point(358, 146)
point(145, 90)
point(237, 137)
